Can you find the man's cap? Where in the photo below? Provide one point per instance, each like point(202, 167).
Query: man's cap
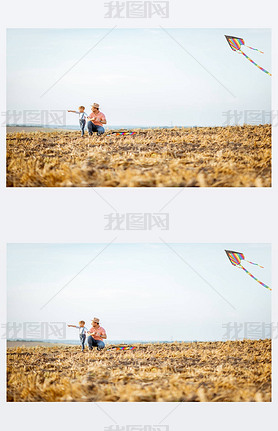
point(95, 319)
point(95, 105)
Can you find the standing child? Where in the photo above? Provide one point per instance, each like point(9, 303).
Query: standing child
point(82, 332)
point(82, 118)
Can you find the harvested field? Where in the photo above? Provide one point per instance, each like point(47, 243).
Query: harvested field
point(233, 156)
point(176, 372)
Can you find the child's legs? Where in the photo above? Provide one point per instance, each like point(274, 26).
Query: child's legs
point(83, 339)
point(82, 126)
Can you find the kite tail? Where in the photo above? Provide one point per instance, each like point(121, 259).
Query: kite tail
point(122, 348)
point(121, 133)
point(254, 49)
point(253, 263)
point(251, 275)
point(248, 58)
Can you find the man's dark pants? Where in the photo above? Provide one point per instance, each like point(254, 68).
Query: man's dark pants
point(93, 128)
point(95, 343)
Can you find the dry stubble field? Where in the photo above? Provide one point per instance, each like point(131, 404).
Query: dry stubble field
point(177, 372)
point(233, 156)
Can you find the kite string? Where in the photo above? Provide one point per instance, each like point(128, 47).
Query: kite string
point(251, 275)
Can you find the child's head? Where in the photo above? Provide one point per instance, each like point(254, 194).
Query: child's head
point(81, 323)
point(81, 108)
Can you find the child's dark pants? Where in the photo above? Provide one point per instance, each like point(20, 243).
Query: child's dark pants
point(82, 126)
point(83, 339)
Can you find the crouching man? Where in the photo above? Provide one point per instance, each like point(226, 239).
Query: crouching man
point(96, 335)
point(96, 120)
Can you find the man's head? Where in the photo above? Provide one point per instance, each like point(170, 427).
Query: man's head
point(82, 323)
point(95, 107)
point(95, 322)
point(81, 108)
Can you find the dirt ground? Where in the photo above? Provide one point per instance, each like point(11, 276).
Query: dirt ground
point(234, 156)
point(177, 372)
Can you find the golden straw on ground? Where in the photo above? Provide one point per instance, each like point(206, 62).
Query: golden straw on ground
point(234, 156)
point(203, 371)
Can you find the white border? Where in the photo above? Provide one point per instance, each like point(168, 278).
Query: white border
point(196, 215)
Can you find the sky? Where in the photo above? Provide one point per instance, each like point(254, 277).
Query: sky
point(140, 77)
point(139, 291)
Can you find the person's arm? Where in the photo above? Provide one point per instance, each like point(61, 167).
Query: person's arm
point(73, 326)
point(103, 120)
point(102, 334)
point(75, 112)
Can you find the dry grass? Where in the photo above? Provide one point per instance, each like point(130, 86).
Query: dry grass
point(207, 371)
point(234, 156)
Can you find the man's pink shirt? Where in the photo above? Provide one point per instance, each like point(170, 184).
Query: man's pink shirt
point(100, 330)
point(99, 116)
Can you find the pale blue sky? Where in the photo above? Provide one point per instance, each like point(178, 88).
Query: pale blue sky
point(139, 76)
point(139, 291)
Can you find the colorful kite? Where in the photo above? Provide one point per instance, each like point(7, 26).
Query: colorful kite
point(236, 43)
point(236, 258)
point(122, 348)
point(122, 133)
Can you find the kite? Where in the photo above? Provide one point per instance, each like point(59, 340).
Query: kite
point(122, 133)
point(236, 44)
point(122, 348)
point(236, 258)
